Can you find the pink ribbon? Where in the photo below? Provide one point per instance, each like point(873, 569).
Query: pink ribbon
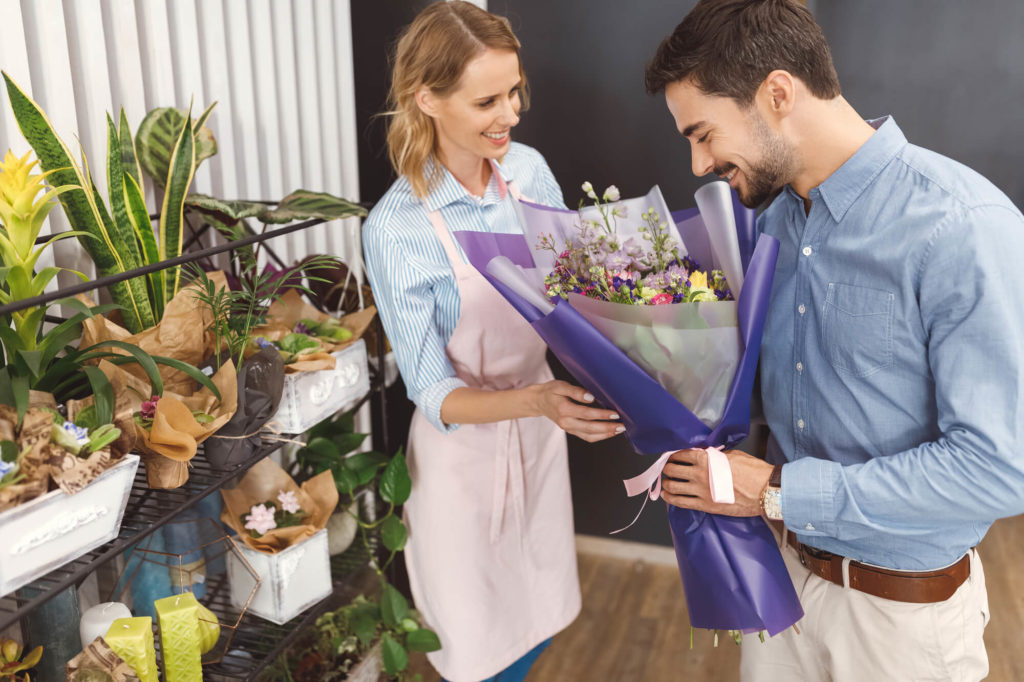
point(719, 481)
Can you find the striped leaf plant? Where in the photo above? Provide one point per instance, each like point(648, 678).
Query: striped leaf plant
point(118, 234)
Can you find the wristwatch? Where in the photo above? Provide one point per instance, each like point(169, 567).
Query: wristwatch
point(771, 496)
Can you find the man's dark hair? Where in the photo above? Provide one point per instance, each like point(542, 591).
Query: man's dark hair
point(728, 48)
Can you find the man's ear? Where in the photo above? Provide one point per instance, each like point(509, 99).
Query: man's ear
point(426, 101)
point(777, 94)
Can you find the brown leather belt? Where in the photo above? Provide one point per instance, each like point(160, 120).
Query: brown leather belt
point(917, 587)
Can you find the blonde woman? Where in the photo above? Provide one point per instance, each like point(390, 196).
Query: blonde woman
point(490, 554)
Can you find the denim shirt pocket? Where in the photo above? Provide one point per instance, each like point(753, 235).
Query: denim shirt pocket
point(857, 328)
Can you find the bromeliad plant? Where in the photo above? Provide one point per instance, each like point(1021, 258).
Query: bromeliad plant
point(118, 236)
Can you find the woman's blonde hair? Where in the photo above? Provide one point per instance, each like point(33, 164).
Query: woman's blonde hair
point(433, 51)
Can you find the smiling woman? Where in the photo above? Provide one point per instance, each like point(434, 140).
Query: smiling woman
point(490, 555)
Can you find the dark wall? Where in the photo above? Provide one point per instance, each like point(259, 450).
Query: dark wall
point(949, 71)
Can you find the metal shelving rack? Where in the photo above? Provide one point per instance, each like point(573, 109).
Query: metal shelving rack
point(256, 643)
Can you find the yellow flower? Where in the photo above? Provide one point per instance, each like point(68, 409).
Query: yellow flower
point(698, 279)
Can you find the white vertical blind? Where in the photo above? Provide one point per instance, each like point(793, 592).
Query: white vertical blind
point(281, 73)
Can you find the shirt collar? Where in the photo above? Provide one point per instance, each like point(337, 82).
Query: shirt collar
point(450, 190)
point(849, 181)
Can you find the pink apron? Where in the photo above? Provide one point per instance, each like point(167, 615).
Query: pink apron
point(491, 553)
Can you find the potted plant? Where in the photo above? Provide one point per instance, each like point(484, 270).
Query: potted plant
point(371, 634)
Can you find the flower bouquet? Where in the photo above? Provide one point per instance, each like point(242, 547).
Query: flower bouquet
point(282, 536)
point(658, 340)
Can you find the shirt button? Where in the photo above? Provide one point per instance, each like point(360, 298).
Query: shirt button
point(807, 251)
point(800, 423)
point(799, 366)
point(808, 527)
point(801, 309)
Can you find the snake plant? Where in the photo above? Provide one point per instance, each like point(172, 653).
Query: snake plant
point(118, 234)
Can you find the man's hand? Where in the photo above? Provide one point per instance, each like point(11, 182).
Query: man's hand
point(691, 491)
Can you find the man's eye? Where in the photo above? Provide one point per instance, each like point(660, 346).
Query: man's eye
point(703, 139)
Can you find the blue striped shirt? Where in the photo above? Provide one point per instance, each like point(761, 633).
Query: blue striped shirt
point(413, 284)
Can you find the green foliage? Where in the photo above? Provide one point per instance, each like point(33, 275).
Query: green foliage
point(117, 234)
point(235, 313)
point(12, 664)
point(344, 635)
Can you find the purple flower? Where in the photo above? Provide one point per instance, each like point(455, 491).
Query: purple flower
point(5, 467)
point(301, 329)
point(148, 409)
point(263, 343)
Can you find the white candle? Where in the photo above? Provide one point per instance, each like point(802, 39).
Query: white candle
point(97, 619)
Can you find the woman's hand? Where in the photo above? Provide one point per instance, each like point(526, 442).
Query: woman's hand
point(560, 401)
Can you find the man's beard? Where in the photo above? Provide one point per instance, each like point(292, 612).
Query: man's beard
point(766, 176)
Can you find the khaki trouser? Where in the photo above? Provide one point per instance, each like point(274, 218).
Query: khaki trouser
point(849, 636)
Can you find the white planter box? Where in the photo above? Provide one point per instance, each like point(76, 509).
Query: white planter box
point(290, 581)
point(55, 528)
point(310, 397)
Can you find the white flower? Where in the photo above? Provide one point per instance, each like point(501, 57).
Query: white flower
point(260, 519)
point(612, 194)
point(589, 189)
point(288, 501)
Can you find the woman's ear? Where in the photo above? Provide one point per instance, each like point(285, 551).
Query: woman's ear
point(426, 101)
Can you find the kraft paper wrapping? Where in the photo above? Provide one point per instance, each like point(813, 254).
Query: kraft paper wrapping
point(290, 309)
point(181, 334)
point(34, 435)
point(98, 662)
point(318, 497)
point(175, 434)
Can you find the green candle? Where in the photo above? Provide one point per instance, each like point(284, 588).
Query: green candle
point(132, 640)
point(179, 637)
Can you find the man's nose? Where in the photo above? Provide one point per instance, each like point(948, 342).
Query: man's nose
point(703, 163)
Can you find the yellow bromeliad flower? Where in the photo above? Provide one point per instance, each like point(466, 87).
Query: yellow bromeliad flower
point(21, 214)
point(698, 279)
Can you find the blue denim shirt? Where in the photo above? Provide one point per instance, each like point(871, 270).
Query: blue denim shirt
point(892, 365)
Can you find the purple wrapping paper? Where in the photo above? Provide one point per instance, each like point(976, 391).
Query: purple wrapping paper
point(733, 575)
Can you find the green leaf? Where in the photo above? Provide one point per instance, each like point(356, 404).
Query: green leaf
point(19, 390)
point(303, 204)
point(393, 533)
point(345, 479)
point(129, 159)
point(8, 451)
point(393, 606)
point(191, 371)
point(146, 361)
point(423, 640)
point(393, 655)
point(347, 442)
point(179, 177)
point(118, 208)
point(158, 133)
point(103, 394)
point(364, 626)
point(224, 209)
point(395, 484)
point(142, 228)
point(81, 205)
point(32, 359)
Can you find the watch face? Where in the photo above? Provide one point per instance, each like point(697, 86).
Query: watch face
point(773, 504)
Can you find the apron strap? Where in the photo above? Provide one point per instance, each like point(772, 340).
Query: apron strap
point(444, 234)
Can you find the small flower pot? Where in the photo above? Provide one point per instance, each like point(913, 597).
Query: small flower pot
point(310, 397)
point(260, 382)
point(53, 529)
point(290, 581)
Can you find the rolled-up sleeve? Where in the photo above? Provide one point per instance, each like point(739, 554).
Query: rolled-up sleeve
point(404, 297)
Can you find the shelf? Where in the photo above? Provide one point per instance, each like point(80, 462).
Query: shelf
point(147, 510)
